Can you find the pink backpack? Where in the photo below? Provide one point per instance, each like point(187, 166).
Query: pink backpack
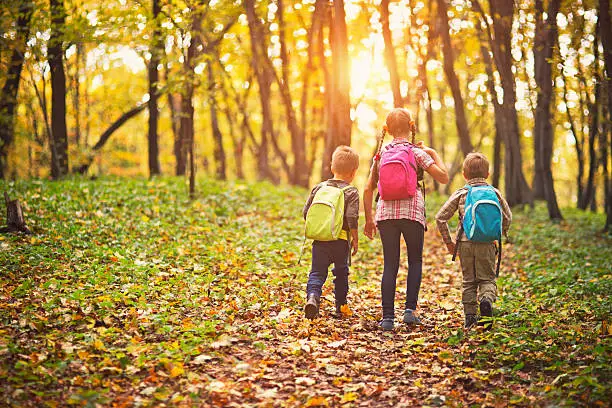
point(397, 174)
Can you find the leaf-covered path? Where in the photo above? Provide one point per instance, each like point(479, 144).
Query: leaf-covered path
point(128, 294)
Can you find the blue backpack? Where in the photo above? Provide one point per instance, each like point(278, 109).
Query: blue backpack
point(482, 221)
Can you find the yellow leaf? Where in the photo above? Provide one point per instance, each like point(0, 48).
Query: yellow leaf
point(144, 218)
point(348, 397)
point(317, 402)
point(98, 345)
point(177, 369)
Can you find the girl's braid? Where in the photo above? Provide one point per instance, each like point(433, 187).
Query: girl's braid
point(379, 143)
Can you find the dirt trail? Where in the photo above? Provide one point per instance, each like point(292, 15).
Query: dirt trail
point(331, 362)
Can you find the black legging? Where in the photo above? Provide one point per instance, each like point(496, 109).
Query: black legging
point(390, 233)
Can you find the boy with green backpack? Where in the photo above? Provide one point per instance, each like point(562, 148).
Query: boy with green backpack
point(332, 214)
point(484, 216)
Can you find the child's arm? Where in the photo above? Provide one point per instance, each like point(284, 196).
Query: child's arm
point(309, 201)
point(368, 194)
point(506, 214)
point(354, 240)
point(352, 216)
point(446, 213)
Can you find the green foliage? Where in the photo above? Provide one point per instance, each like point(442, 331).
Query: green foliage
point(130, 293)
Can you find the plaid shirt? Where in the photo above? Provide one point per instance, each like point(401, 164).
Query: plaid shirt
point(412, 208)
point(457, 202)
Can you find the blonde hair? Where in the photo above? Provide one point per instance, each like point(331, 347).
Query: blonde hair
point(345, 160)
point(475, 165)
point(399, 122)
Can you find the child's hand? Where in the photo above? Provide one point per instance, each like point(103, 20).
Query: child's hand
point(355, 246)
point(426, 149)
point(370, 229)
point(451, 247)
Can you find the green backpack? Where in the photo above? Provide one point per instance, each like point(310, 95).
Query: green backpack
point(326, 214)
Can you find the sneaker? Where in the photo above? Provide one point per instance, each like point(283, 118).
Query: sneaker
point(470, 320)
point(410, 318)
point(338, 313)
point(387, 324)
point(486, 310)
point(311, 310)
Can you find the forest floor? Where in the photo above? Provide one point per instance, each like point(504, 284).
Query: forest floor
point(129, 294)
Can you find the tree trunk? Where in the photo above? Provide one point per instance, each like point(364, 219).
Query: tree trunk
point(59, 160)
point(174, 104)
point(453, 81)
point(390, 55)
point(298, 134)
point(545, 40)
point(588, 198)
point(497, 112)
point(8, 97)
point(14, 217)
point(219, 151)
point(108, 133)
point(339, 131)
point(517, 189)
point(156, 50)
point(264, 83)
point(606, 40)
point(76, 93)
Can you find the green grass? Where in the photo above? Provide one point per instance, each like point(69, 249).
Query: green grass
point(125, 282)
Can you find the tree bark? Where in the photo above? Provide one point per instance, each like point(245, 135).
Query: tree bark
point(339, 131)
point(156, 45)
point(517, 189)
point(108, 133)
point(453, 80)
point(238, 142)
point(14, 217)
point(606, 40)
point(497, 112)
point(298, 134)
point(264, 82)
point(55, 55)
point(545, 40)
point(390, 55)
point(8, 97)
point(219, 151)
point(588, 199)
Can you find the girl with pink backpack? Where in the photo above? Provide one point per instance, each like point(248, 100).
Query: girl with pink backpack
point(400, 209)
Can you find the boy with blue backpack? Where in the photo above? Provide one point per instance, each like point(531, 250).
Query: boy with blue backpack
point(484, 216)
point(332, 213)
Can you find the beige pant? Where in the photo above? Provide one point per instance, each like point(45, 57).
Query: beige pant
point(478, 265)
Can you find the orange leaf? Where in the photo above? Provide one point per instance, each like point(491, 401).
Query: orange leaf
point(317, 402)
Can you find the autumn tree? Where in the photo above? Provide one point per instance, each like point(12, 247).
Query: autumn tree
point(500, 39)
point(606, 140)
point(339, 126)
point(8, 95)
point(55, 55)
point(544, 44)
point(453, 80)
point(156, 50)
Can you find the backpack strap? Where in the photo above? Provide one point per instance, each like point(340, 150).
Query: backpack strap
point(460, 234)
point(348, 231)
point(499, 255)
point(458, 238)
